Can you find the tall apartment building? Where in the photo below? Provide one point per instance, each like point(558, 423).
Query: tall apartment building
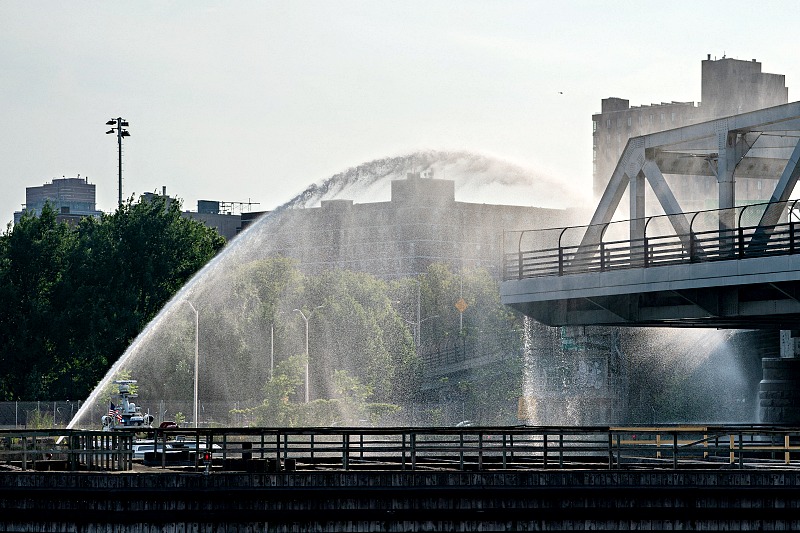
point(72, 198)
point(728, 87)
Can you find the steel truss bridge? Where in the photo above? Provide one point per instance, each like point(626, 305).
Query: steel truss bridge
point(735, 267)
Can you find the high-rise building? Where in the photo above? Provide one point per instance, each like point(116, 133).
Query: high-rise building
point(728, 87)
point(72, 198)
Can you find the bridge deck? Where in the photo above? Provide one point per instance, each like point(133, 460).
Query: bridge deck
point(742, 278)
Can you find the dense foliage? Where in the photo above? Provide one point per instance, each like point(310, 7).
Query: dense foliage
point(73, 297)
point(363, 358)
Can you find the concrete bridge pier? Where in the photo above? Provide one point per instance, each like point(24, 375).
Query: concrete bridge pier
point(779, 390)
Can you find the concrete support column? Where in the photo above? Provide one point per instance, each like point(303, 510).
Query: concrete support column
point(779, 390)
point(790, 343)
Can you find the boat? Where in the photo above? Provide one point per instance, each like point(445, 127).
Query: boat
point(125, 414)
point(180, 443)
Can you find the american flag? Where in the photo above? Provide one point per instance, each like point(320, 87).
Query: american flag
point(113, 411)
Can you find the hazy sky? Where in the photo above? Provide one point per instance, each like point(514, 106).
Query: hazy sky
point(253, 101)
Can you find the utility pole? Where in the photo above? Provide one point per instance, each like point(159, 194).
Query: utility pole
point(118, 124)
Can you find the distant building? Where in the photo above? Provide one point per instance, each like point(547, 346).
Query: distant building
point(421, 224)
point(728, 87)
point(72, 198)
point(216, 214)
point(221, 216)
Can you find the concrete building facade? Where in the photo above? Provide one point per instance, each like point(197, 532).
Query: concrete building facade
point(421, 224)
point(728, 87)
point(72, 198)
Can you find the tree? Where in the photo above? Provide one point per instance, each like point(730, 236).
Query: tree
point(73, 298)
point(34, 257)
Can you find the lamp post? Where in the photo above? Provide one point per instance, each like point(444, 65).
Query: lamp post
point(118, 124)
point(196, 355)
point(271, 349)
point(305, 318)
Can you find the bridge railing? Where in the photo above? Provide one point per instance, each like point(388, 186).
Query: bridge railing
point(739, 234)
point(261, 449)
point(66, 449)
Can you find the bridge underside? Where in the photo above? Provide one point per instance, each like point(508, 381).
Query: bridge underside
point(758, 293)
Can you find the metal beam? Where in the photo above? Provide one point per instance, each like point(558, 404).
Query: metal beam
point(668, 201)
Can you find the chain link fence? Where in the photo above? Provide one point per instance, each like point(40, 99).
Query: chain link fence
point(59, 413)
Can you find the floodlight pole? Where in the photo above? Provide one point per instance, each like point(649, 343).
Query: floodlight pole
point(119, 123)
point(119, 163)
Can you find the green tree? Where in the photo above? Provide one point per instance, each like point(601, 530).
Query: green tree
point(34, 256)
point(281, 406)
point(73, 298)
point(358, 329)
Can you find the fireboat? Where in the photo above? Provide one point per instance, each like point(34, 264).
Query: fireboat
point(126, 414)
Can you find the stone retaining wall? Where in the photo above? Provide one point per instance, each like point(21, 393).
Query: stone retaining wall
point(169, 501)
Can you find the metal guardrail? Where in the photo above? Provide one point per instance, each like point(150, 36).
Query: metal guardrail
point(462, 448)
point(64, 449)
point(740, 242)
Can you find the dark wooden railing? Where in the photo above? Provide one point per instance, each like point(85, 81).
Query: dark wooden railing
point(457, 448)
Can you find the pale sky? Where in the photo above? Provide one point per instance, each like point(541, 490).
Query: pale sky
point(253, 101)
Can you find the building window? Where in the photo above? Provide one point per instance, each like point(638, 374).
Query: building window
point(662, 117)
point(608, 123)
point(629, 121)
point(594, 126)
point(673, 117)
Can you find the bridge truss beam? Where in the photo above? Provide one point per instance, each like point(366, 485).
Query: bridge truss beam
point(727, 279)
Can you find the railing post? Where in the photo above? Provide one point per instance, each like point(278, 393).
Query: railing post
point(610, 451)
point(345, 450)
point(278, 448)
point(645, 252)
point(519, 265)
point(692, 246)
point(675, 450)
point(560, 261)
point(786, 456)
point(413, 442)
point(741, 242)
point(403, 452)
point(461, 451)
point(791, 237)
point(480, 451)
point(544, 453)
point(602, 256)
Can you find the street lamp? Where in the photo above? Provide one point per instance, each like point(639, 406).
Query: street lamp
point(196, 355)
point(118, 124)
point(305, 318)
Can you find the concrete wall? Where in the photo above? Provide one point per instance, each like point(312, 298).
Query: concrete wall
point(400, 501)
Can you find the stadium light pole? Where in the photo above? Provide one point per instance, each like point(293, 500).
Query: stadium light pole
point(119, 123)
